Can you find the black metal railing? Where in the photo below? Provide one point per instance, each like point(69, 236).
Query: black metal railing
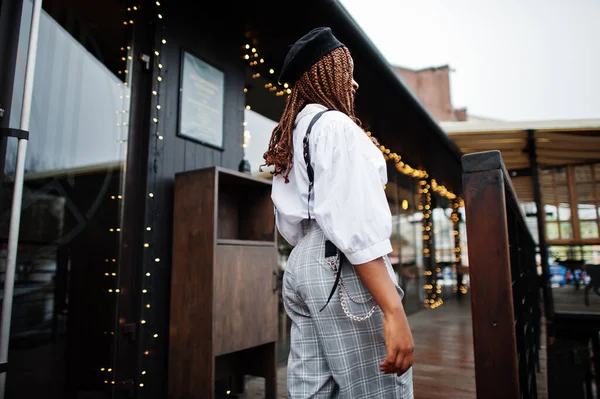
point(505, 288)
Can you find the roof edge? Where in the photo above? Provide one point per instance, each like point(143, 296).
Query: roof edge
point(381, 63)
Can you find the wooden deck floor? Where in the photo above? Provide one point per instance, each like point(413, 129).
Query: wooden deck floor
point(568, 299)
point(444, 366)
point(444, 361)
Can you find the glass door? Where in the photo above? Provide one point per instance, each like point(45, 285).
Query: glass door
point(64, 316)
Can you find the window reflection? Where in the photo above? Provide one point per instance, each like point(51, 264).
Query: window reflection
point(66, 286)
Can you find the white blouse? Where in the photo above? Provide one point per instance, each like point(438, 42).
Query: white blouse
point(348, 200)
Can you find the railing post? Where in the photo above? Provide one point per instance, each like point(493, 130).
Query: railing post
point(496, 365)
point(541, 222)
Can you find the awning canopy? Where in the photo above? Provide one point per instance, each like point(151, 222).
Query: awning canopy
point(559, 143)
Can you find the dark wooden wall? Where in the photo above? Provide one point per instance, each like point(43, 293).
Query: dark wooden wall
point(216, 43)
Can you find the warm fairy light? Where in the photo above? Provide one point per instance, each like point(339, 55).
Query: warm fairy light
point(441, 190)
point(425, 188)
point(455, 218)
point(432, 287)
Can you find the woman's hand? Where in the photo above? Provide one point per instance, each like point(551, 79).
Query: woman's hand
point(398, 338)
point(399, 343)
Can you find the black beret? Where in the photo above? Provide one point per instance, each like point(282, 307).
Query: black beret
point(306, 52)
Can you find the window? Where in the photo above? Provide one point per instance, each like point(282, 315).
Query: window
point(571, 198)
point(555, 197)
point(587, 192)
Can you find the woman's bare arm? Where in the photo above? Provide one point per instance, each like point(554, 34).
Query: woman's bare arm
point(398, 337)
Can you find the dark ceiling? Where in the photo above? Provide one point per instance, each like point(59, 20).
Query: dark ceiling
point(383, 103)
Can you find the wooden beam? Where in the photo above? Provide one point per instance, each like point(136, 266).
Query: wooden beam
point(516, 165)
point(487, 133)
point(587, 241)
point(568, 153)
point(516, 173)
point(572, 138)
point(544, 161)
point(469, 146)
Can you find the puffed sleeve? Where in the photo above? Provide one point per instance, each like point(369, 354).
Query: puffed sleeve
point(350, 204)
point(290, 231)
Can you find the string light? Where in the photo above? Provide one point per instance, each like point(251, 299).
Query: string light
point(125, 58)
point(432, 288)
point(441, 190)
point(251, 55)
point(153, 260)
point(455, 218)
point(402, 167)
point(433, 298)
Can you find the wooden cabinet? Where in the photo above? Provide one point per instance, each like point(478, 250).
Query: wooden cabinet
point(224, 282)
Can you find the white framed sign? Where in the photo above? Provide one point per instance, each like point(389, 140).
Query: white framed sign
point(201, 101)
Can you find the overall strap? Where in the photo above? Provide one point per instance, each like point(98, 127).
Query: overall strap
point(311, 182)
point(309, 168)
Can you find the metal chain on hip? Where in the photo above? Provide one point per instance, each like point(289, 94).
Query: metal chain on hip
point(342, 288)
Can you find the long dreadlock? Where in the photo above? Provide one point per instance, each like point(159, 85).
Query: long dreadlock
point(329, 83)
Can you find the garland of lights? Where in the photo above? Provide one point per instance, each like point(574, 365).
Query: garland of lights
point(122, 116)
point(148, 332)
point(257, 63)
point(455, 217)
point(433, 289)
